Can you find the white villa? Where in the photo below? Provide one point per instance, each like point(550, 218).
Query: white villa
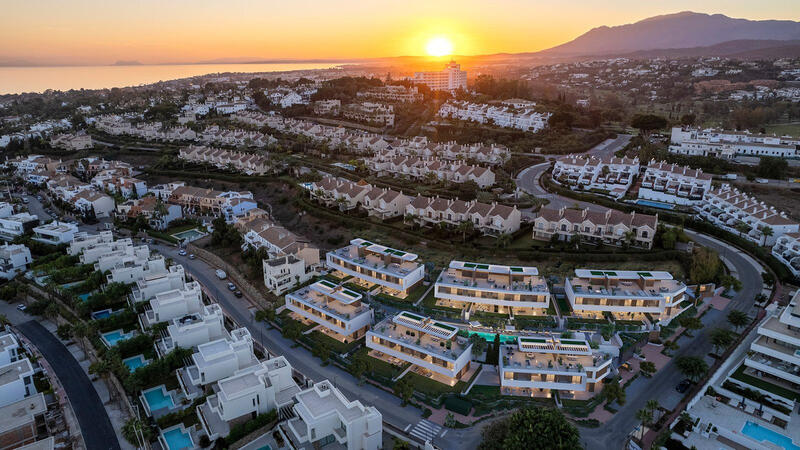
point(394, 271)
point(338, 310)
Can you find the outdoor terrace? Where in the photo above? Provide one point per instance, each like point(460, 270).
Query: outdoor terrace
point(428, 339)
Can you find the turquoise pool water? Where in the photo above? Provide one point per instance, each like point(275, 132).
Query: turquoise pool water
point(177, 439)
point(761, 434)
point(489, 337)
point(655, 204)
point(112, 337)
point(134, 362)
point(84, 297)
point(157, 398)
point(69, 285)
point(102, 314)
point(266, 447)
point(189, 235)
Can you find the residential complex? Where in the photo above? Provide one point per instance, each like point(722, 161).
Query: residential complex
point(623, 294)
point(536, 365)
point(392, 94)
point(425, 168)
point(787, 251)
point(612, 176)
point(432, 347)
point(14, 259)
point(55, 233)
point(369, 112)
point(393, 271)
point(449, 79)
point(71, 141)
point(675, 184)
point(611, 227)
point(490, 219)
point(525, 118)
point(729, 144)
point(16, 225)
point(743, 215)
point(168, 305)
point(512, 290)
point(217, 359)
point(247, 163)
point(338, 310)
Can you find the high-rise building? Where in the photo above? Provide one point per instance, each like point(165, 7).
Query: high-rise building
point(449, 79)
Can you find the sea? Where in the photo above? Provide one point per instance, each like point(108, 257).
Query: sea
point(14, 80)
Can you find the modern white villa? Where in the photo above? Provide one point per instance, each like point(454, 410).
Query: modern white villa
point(513, 290)
point(787, 251)
point(394, 271)
point(433, 347)
point(173, 304)
point(215, 360)
point(55, 233)
point(130, 270)
point(626, 294)
point(192, 330)
point(535, 365)
point(146, 288)
point(337, 310)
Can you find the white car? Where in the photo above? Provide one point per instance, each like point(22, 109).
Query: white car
point(182, 252)
point(221, 274)
point(21, 307)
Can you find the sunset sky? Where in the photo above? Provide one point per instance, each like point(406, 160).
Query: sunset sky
point(102, 32)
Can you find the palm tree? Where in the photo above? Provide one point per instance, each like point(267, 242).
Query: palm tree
point(654, 407)
point(766, 231)
point(645, 416)
point(465, 227)
point(503, 240)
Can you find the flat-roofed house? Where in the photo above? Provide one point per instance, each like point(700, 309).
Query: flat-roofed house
point(217, 359)
point(55, 233)
point(396, 271)
point(432, 347)
point(339, 311)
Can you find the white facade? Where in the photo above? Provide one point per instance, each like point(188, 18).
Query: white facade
point(147, 288)
point(283, 273)
point(728, 143)
point(526, 118)
point(625, 294)
point(675, 184)
point(16, 381)
point(392, 269)
point(169, 305)
point(191, 330)
point(9, 348)
point(433, 346)
point(335, 308)
point(324, 415)
point(131, 271)
point(613, 176)
point(449, 79)
point(515, 290)
point(787, 251)
point(539, 363)
point(124, 254)
point(83, 240)
point(92, 253)
point(17, 225)
point(222, 358)
point(55, 233)
point(14, 259)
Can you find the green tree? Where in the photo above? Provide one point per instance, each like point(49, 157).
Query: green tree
point(404, 389)
point(137, 433)
point(647, 123)
point(531, 428)
point(322, 351)
point(691, 323)
point(705, 266)
point(738, 319)
point(766, 232)
point(292, 330)
point(613, 392)
point(479, 344)
point(693, 367)
point(772, 167)
point(721, 339)
point(645, 416)
point(647, 368)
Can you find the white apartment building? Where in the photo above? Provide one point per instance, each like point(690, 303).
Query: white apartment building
point(426, 167)
point(513, 290)
point(14, 259)
point(774, 357)
point(6, 209)
point(385, 203)
point(743, 215)
point(251, 391)
point(145, 289)
point(93, 202)
point(130, 270)
point(612, 176)
point(323, 416)
point(83, 241)
point(449, 79)
point(787, 251)
point(537, 364)
point(394, 271)
point(433, 347)
point(283, 273)
point(490, 219)
point(92, 254)
point(728, 144)
point(55, 233)
point(217, 359)
point(16, 225)
point(169, 305)
point(247, 163)
point(16, 381)
point(525, 119)
point(626, 294)
point(671, 183)
point(191, 330)
point(121, 254)
point(9, 348)
point(392, 94)
point(595, 227)
point(372, 113)
point(338, 310)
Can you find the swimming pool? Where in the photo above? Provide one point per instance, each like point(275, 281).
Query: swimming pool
point(112, 337)
point(761, 434)
point(655, 204)
point(102, 314)
point(189, 235)
point(157, 398)
point(69, 285)
point(134, 362)
point(177, 439)
point(489, 337)
point(84, 297)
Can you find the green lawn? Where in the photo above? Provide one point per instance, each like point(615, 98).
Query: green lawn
point(384, 369)
point(563, 306)
point(333, 344)
point(763, 384)
point(792, 129)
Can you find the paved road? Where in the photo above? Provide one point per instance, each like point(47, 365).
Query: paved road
point(98, 433)
point(304, 362)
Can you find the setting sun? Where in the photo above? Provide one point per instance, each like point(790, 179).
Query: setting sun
point(439, 46)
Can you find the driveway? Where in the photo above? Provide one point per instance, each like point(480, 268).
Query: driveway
point(98, 433)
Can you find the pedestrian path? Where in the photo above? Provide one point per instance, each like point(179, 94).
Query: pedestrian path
point(426, 430)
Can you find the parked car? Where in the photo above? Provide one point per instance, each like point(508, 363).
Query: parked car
point(231, 287)
point(237, 293)
point(684, 385)
point(191, 256)
point(25, 200)
point(21, 307)
point(182, 252)
point(221, 274)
